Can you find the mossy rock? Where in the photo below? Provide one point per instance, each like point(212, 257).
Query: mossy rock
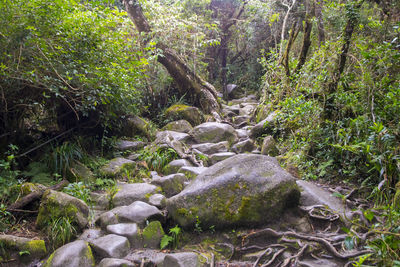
point(183, 112)
point(80, 173)
point(115, 168)
point(135, 125)
point(152, 234)
point(244, 190)
point(55, 205)
point(214, 132)
point(20, 248)
point(77, 253)
point(181, 126)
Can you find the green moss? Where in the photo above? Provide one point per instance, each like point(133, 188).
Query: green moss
point(36, 247)
point(89, 255)
point(49, 260)
point(152, 234)
point(176, 108)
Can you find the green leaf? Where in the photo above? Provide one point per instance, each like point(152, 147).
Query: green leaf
point(165, 240)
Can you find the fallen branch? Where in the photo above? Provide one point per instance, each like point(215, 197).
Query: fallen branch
point(22, 202)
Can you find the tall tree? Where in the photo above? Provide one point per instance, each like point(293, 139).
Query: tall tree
point(187, 80)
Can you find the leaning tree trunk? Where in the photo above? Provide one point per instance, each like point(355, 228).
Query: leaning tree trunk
point(187, 80)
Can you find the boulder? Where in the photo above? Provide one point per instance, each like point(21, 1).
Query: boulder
point(56, 204)
point(10, 246)
point(110, 262)
point(243, 146)
point(152, 234)
point(165, 137)
point(269, 147)
point(124, 145)
point(183, 259)
point(171, 184)
point(129, 230)
point(243, 190)
point(181, 126)
point(77, 253)
point(214, 132)
point(264, 126)
point(111, 246)
point(91, 234)
point(138, 212)
point(214, 158)
point(175, 165)
point(158, 200)
point(212, 148)
point(150, 257)
point(129, 193)
point(136, 125)
point(80, 173)
point(241, 119)
point(116, 167)
point(183, 112)
point(242, 134)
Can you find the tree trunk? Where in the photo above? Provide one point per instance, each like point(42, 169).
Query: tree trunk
point(306, 41)
point(285, 57)
point(320, 22)
point(187, 80)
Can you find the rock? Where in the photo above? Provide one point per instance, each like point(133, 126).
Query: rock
point(138, 212)
point(311, 195)
point(100, 201)
point(124, 145)
point(77, 253)
point(230, 89)
point(136, 125)
point(246, 110)
point(165, 137)
point(192, 114)
point(234, 109)
point(243, 190)
point(111, 246)
point(214, 158)
point(110, 262)
point(181, 126)
point(175, 165)
point(212, 148)
point(152, 234)
point(129, 230)
point(269, 147)
point(27, 188)
point(243, 146)
point(10, 246)
point(183, 259)
point(192, 172)
point(171, 184)
point(79, 172)
point(149, 257)
point(129, 193)
point(91, 234)
point(264, 126)
point(116, 166)
point(158, 200)
point(242, 134)
point(213, 132)
point(57, 204)
point(241, 119)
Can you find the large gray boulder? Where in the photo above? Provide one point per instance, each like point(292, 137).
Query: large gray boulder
point(129, 193)
point(243, 190)
point(56, 204)
point(77, 253)
point(214, 132)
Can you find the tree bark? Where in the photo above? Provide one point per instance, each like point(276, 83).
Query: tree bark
point(187, 80)
point(306, 41)
point(285, 57)
point(320, 22)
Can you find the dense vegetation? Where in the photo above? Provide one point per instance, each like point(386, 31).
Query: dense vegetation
point(71, 71)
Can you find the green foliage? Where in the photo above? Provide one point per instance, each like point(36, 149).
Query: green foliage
point(6, 218)
point(63, 156)
point(65, 55)
point(60, 231)
point(8, 173)
point(172, 239)
point(157, 158)
point(78, 190)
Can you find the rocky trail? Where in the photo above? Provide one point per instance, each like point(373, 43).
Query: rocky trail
point(234, 204)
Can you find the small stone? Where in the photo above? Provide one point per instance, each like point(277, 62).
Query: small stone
point(110, 262)
point(129, 230)
point(111, 246)
point(175, 165)
point(158, 200)
point(243, 146)
point(269, 147)
point(184, 259)
point(129, 193)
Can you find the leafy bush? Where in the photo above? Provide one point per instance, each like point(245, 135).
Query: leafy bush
point(67, 60)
